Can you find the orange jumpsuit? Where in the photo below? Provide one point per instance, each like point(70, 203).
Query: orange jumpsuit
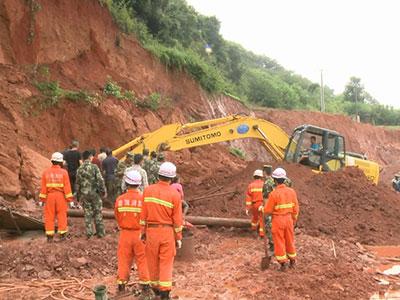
point(161, 220)
point(254, 199)
point(284, 207)
point(127, 210)
point(55, 192)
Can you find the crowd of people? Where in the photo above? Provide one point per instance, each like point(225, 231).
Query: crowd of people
point(147, 198)
point(149, 205)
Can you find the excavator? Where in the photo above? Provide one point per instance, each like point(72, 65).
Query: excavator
point(326, 153)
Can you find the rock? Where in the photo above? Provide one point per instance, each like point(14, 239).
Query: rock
point(33, 165)
point(44, 274)
point(29, 268)
point(79, 262)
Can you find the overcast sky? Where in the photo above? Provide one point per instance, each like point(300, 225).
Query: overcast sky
point(344, 38)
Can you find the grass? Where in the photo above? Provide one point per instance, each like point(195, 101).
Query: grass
point(237, 152)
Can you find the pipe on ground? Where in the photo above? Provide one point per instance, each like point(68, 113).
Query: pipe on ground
point(195, 220)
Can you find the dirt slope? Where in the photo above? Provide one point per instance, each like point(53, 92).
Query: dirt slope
point(82, 53)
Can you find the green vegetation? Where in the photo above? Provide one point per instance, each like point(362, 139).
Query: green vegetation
point(179, 36)
point(237, 152)
point(111, 88)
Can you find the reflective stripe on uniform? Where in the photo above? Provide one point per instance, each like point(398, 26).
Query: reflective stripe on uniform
point(49, 232)
point(178, 229)
point(283, 257)
point(145, 282)
point(68, 195)
point(286, 205)
point(291, 255)
point(256, 190)
point(129, 209)
point(248, 203)
point(159, 201)
point(165, 283)
point(55, 185)
point(42, 195)
point(141, 222)
point(62, 231)
point(154, 282)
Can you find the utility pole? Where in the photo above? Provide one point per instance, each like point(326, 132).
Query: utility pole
point(356, 94)
point(322, 100)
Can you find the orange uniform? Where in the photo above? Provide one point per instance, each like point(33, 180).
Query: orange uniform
point(161, 221)
point(55, 192)
point(284, 207)
point(254, 199)
point(128, 207)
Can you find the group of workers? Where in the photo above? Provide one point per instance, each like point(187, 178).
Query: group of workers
point(149, 215)
point(148, 210)
point(274, 208)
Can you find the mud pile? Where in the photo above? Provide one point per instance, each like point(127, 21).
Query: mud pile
point(226, 266)
point(340, 205)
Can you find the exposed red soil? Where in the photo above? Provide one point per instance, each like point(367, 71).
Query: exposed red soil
point(340, 205)
point(226, 266)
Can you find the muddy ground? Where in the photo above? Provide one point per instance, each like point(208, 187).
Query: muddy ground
point(226, 266)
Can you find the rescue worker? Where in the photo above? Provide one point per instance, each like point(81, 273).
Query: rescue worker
point(137, 166)
point(156, 166)
point(54, 194)
point(89, 186)
point(269, 185)
point(148, 163)
point(128, 207)
point(254, 199)
point(283, 206)
point(161, 221)
point(120, 171)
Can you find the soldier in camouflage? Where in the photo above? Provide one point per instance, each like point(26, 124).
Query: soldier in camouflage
point(269, 186)
point(154, 167)
point(148, 162)
point(89, 186)
point(120, 171)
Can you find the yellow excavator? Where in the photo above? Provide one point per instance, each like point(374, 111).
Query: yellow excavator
point(319, 148)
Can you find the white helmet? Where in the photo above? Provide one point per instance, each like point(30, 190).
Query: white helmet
point(279, 173)
point(258, 173)
point(57, 157)
point(133, 177)
point(167, 169)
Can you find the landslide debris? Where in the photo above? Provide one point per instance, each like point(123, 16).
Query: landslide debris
point(340, 205)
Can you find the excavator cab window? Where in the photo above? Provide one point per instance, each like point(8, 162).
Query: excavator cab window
point(333, 157)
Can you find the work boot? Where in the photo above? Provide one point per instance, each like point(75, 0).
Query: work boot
point(283, 267)
point(50, 238)
point(63, 237)
point(292, 264)
point(156, 291)
point(164, 295)
point(146, 292)
point(121, 287)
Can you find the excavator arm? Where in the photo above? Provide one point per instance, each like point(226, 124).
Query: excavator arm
point(176, 137)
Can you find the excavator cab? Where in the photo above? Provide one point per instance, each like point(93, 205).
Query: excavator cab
point(319, 148)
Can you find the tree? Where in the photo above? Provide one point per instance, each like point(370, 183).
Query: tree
point(354, 91)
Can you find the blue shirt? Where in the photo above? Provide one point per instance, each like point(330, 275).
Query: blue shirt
point(315, 146)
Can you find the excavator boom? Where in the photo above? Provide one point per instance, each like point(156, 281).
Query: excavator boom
point(176, 137)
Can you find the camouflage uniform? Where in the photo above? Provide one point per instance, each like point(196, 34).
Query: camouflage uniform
point(152, 175)
point(146, 165)
point(269, 186)
point(119, 175)
point(89, 187)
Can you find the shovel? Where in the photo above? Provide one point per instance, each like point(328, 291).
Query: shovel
point(266, 260)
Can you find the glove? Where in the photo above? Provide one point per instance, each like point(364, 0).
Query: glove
point(261, 208)
point(71, 205)
point(41, 204)
point(179, 244)
point(247, 212)
point(143, 237)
